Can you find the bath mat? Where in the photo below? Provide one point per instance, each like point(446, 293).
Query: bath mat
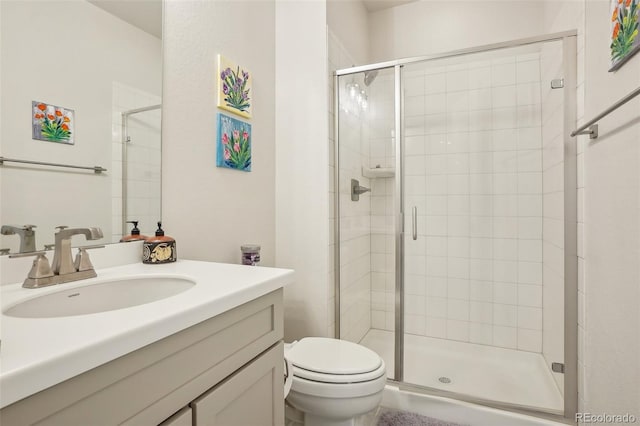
point(404, 418)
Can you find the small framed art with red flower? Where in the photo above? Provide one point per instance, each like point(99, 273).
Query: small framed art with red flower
point(625, 25)
point(52, 123)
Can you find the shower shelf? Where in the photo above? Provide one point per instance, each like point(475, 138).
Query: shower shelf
point(378, 172)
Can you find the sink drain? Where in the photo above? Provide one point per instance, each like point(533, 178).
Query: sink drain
point(444, 380)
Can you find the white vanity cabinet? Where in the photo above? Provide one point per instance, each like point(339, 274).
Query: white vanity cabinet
point(225, 371)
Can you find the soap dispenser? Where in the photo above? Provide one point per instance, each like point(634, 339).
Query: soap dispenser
point(159, 248)
point(135, 234)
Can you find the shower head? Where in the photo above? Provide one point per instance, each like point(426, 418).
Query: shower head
point(369, 76)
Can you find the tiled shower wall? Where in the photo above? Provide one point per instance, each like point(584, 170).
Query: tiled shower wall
point(144, 158)
point(474, 171)
point(355, 217)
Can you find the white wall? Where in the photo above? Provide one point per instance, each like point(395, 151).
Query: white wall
point(611, 228)
point(301, 155)
point(67, 54)
point(425, 27)
point(349, 22)
point(212, 211)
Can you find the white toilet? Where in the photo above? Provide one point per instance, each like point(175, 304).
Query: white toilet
point(334, 381)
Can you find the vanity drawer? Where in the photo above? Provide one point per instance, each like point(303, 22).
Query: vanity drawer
point(149, 385)
point(253, 396)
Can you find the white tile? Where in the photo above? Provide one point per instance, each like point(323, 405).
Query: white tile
point(457, 142)
point(414, 324)
point(505, 162)
point(479, 77)
point(378, 319)
point(436, 266)
point(528, 93)
point(528, 71)
point(457, 121)
point(503, 74)
point(436, 164)
point(505, 183)
point(480, 120)
point(480, 269)
point(458, 309)
point(458, 247)
point(481, 248)
point(458, 204)
point(529, 116)
point(530, 205)
point(530, 273)
point(436, 246)
point(505, 227)
point(529, 317)
point(530, 295)
point(436, 226)
point(530, 340)
point(480, 226)
point(481, 333)
point(479, 98)
point(457, 80)
point(530, 161)
point(505, 118)
point(530, 250)
point(481, 291)
point(481, 312)
point(481, 162)
point(505, 140)
point(458, 101)
point(458, 288)
point(415, 145)
point(481, 183)
point(505, 315)
point(435, 103)
point(436, 307)
point(415, 165)
point(436, 287)
point(506, 293)
point(530, 183)
point(414, 84)
point(529, 138)
point(505, 205)
point(480, 141)
point(415, 305)
point(436, 205)
point(458, 330)
point(503, 96)
point(457, 184)
point(435, 144)
point(505, 337)
point(436, 184)
point(530, 227)
point(458, 226)
point(436, 327)
point(505, 249)
point(435, 83)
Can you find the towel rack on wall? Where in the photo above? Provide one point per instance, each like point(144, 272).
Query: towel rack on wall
point(96, 169)
point(591, 128)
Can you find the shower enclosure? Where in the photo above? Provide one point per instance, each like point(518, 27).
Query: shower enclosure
point(455, 207)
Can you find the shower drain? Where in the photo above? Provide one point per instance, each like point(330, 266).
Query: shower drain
point(444, 380)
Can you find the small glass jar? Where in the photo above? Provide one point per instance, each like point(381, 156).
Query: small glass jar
point(250, 254)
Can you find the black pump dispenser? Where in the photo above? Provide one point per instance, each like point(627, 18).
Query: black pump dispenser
point(159, 231)
point(135, 233)
point(159, 249)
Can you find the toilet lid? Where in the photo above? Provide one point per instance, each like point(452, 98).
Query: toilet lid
point(333, 356)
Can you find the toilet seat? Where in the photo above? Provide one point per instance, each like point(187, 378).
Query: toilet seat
point(325, 360)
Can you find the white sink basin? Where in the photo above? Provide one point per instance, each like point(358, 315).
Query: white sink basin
point(100, 297)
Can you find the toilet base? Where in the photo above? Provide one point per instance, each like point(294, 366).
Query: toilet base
point(311, 420)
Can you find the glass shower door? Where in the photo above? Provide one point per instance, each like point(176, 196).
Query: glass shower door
point(365, 207)
point(482, 150)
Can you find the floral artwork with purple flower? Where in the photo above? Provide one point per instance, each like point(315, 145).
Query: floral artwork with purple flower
point(234, 92)
point(234, 144)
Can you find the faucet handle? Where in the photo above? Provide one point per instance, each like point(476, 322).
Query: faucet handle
point(40, 274)
point(29, 227)
point(82, 261)
point(61, 227)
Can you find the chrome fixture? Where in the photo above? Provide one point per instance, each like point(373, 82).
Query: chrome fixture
point(26, 233)
point(357, 190)
point(63, 268)
point(96, 169)
point(591, 128)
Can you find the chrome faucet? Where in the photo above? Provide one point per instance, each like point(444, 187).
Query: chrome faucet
point(62, 259)
point(26, 233)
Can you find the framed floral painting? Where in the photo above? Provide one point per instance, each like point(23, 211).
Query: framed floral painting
point(233, 144)
point(52, 123)
point(625, 41)
point(234, 88)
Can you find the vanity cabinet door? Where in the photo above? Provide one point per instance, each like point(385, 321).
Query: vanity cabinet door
point(252, 396)
point(181, 418)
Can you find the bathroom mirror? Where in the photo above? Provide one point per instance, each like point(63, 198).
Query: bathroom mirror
point(81, 86)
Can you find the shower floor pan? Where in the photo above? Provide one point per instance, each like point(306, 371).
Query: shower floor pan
point(479, 371)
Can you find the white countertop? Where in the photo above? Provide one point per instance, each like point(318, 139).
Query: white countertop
point(37, 353)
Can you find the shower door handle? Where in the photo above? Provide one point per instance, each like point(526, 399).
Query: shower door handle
point(414, 222)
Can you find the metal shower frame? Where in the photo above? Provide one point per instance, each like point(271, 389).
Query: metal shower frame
point(569, 52)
